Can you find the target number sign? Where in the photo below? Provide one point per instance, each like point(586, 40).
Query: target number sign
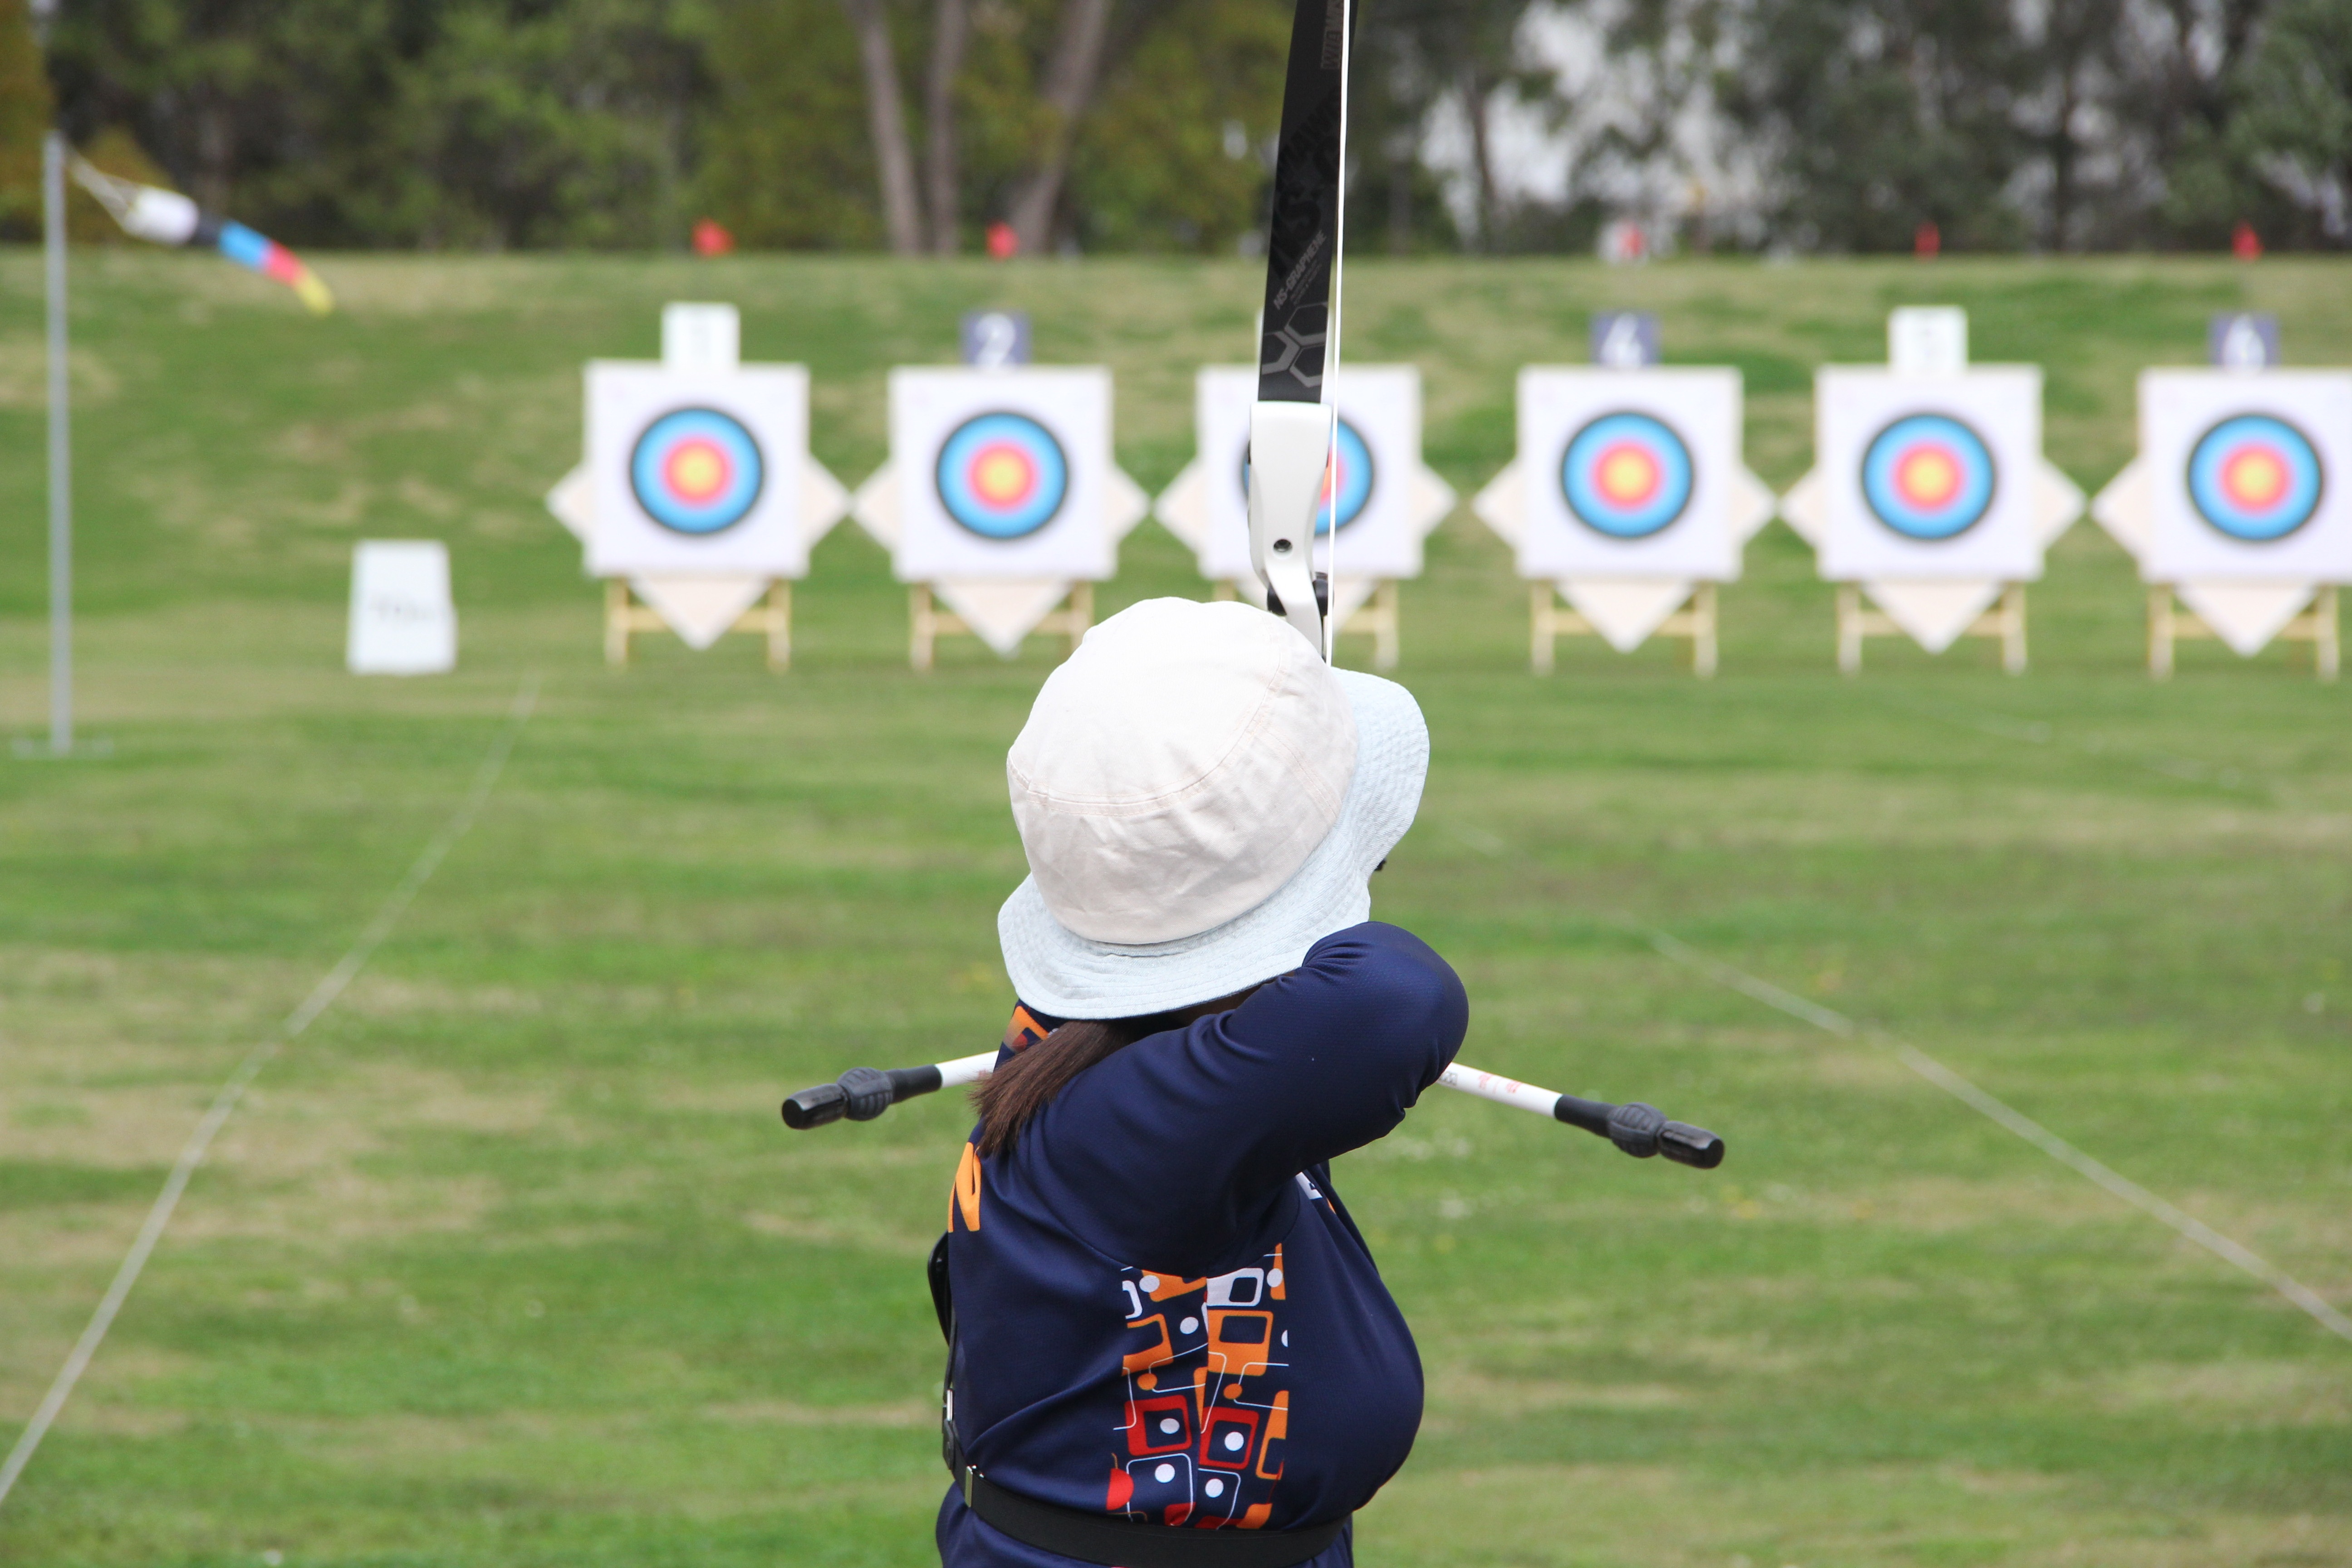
point(1929, 477)
point(1629, 473)
point(2249, 468)
point(1000, 473)
point(696, 470)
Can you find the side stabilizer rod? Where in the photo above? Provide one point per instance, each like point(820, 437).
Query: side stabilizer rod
point(861, 1094)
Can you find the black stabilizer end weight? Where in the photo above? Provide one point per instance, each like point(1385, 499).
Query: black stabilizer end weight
point(1642, 1131)
point(815, 1107)
point(861, 1094)
point(1688, 1146)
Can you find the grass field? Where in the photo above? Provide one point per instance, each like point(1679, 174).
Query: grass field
point(509, 1262)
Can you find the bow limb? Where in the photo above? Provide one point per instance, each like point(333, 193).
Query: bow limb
point(1291, 424)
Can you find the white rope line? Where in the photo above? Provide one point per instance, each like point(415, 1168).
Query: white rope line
point(2017, 1121)
point(321, 997)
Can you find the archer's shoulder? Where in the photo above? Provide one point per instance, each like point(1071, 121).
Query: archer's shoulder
point(1388, 968)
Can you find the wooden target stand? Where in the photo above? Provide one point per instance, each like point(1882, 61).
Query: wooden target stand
point(1549, 620)
point(1377, 619)
point(927, 623)
point(2169, 621)
point(1856, 620)
point(770, 618)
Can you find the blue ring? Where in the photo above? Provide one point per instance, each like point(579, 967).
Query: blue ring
point(2306, 479)
point(1355, 466)
point(677, 514)
point(1580, 487)
point(1969, 504)
point(952, 476)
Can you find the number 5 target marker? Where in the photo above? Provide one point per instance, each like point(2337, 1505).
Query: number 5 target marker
point(1930, 492)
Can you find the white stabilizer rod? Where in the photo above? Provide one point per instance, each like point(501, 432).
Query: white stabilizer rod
point(1290, 444)
point(861, 1094)
point(1468, 1079)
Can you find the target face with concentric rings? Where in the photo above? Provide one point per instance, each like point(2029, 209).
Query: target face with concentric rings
point(1003, 476)
point(1929, 477)
point(1626, 475)
point(2255, 478)
point(696, 471)
point(1354, 475)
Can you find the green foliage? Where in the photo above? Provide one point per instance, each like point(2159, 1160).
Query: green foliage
point(476, 123)
point(1169, 159)
point(1883, 116)
point(999, 119)
point(525, 125)
point(784, 161)
point(27, 110)
point(2295, 122)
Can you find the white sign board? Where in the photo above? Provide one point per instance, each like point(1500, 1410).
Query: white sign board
point(402, 620)
point(1629, 473)
point(2250, 472)
point(1379, 452)
point(1002, 473)
point(696, 471)
point(1929, 477)
point(1928, 339)
point(701, 337)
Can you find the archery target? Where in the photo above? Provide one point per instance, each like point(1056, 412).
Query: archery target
point(2248, 471)
point(1002, 473)
point(696, 470)
point(1376, 446)
point(1929, 475)
point(2255, 477)
point(1629, 472)
point(1626, 475)
point(1003, 476)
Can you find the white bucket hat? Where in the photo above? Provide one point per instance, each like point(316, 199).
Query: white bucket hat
point(1201, 799)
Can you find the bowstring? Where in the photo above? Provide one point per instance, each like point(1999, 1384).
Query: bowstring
point(1331, 340)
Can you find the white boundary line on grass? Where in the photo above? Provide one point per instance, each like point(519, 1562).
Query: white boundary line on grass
point(322, 996)
point(2017, 1121)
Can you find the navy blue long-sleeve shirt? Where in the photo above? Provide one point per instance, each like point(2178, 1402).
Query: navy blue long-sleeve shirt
point(1162, 1310)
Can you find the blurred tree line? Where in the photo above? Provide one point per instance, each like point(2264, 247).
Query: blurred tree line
point(915, 125)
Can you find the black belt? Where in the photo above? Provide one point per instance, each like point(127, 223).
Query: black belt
point(1106, 1538)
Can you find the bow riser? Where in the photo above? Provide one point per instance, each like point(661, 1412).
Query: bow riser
point(1289, 445)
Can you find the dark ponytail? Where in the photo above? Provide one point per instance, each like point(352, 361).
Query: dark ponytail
point(1008, 1097)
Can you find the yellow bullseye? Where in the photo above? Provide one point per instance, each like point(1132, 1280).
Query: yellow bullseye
point(1628, 476)
point(1003, 476)
point(1927, 477)
point(2254, 478)
point(696, 471)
